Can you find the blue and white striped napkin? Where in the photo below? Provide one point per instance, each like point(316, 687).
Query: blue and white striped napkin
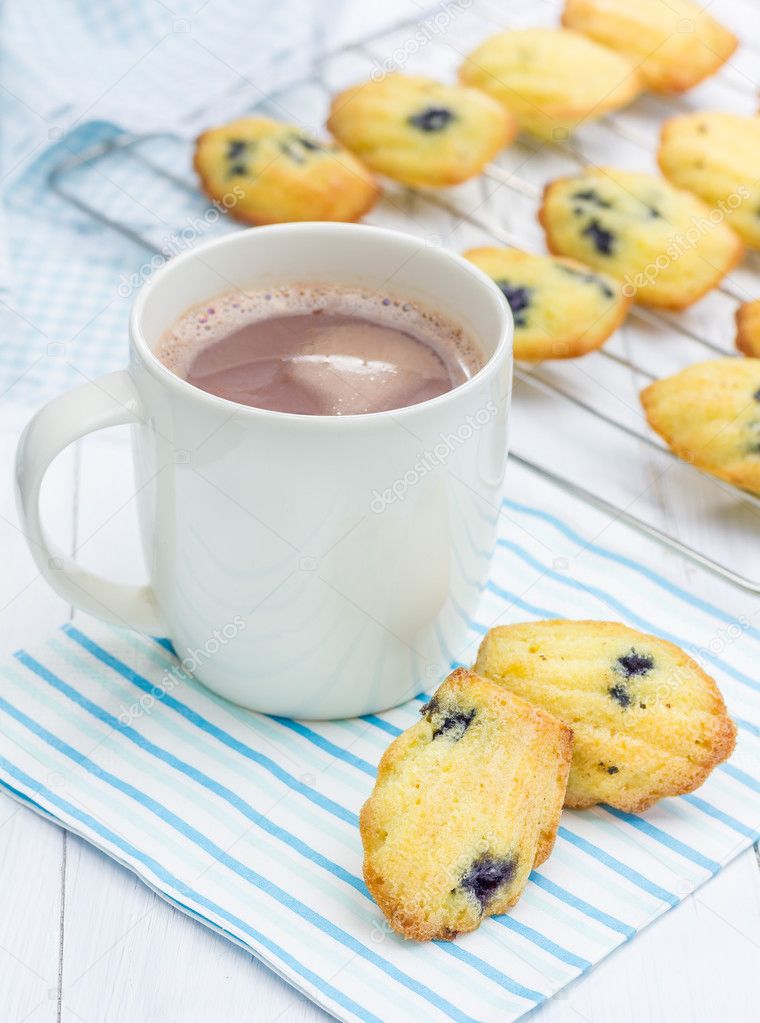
point(249, 823)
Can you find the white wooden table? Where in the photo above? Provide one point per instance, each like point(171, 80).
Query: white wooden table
point(81, 939)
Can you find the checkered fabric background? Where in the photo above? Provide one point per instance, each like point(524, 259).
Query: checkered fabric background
point(78, 74)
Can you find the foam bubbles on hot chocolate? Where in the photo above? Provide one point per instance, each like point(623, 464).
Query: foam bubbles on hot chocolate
point(319, 350)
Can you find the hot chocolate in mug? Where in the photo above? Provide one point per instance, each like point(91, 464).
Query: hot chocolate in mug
point(303, 565)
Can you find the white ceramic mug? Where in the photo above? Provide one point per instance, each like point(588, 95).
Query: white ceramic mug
point(309, 566)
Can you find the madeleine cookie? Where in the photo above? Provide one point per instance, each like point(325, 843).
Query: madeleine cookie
point(551, 79)
point(419, 131)
point(748, 328)
point(663, 243)
point(466, 803)
point(561, 308)
point(647, 721)
point(674, 44)
point(709, 414)
point(265, 172)
point(717, 156)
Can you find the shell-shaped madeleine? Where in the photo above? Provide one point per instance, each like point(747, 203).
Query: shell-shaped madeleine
point(674, 44)
point(263, 171)
point(551, 79)
point(561, 308)
point(647, 721)
point(466, 803)
point(664, 244)
point(709, 414)
point(748, 328)
point(716, 156)
point(419, 131)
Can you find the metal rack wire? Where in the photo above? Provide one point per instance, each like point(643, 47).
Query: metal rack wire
point(61, 176)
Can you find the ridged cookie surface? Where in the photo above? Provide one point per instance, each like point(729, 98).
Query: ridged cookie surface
point(419, 131)
point(561, 308)
point(647, 721)
point(709, 414)
point(717, 156)
point(551, 79)
point(674, 43)
point(466, 803)
point(664, 244)
point(265, 172)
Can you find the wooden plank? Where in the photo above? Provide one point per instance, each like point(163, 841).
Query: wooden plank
point(30, 880)
point(31, 848)
point(128, 956)
point(698, 963)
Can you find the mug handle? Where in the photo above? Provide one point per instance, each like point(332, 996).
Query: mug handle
point(110, 401)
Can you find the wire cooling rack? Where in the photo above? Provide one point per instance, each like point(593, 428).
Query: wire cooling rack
point(143, 187)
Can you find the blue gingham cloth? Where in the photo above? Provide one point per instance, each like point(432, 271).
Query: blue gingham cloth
point(249, 822)
point(77, 74)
